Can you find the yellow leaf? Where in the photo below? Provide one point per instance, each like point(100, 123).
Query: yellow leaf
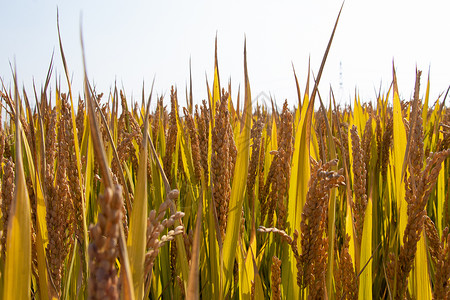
point(349, 230)
point(365, 279)
point(17, 277)
point(41, 224)
point(246, 270)
point(239, 182)
point(137, 237)
point(421, 283)
point(399, 144)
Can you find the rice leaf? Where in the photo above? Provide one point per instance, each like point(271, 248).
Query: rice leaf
point(365, 278)
point(247, 270)
point(299, 97)
point(420, 276)
point(17, 277)
point(399, 142)
point(245, 274)
point(137, 237)
point(332, 205)
point(89, 177)
point(216, 84)
point(239, 181)
point(41, 225)
point(77, 151)
point(298, 184)
point(440, 199)
point(259, 292)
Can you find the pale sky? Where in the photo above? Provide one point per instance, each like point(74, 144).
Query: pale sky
point(134, 41)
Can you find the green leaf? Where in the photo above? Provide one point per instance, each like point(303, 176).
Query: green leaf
point(137, 237)
point(239, 182)
point(399, 144)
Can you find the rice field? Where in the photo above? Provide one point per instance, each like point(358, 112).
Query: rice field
point(102, 198)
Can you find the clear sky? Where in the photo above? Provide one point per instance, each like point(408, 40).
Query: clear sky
point(133, 41)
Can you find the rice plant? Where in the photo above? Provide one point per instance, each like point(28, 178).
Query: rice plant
point(101, 199)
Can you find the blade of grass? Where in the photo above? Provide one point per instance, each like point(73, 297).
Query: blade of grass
point(400, 152)
point(216, 83)
point(400, 148)
point(127, 279)
point(421, 279)
point(138, 220)
point(246, 263)
point(365, 278)
point(32, 143)
point(239, 182)
point(332, 206)
point(41, 225)
point(194, 279)
point(259, 293)
point(298, 89)
point(299, 184)
point(350, 226)
point(77, 149)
